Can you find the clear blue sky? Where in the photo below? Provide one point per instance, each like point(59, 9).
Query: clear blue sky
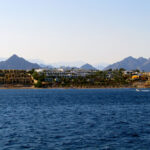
point(72, 30)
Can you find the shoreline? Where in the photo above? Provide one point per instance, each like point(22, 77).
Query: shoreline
point(73, 88)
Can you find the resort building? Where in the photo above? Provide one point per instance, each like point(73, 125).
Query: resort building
point(15, 77)
point(64, 73)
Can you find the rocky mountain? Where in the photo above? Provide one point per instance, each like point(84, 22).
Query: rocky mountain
point(87, 67)
point(131, 63)
point(18, 63)
point(146, 66)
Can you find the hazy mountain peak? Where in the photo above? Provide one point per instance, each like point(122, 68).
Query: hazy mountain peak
point(131, 63)
point(14, 56)
point(87, 67)
point(129, 58)
point(19, 63)
point(141, 58)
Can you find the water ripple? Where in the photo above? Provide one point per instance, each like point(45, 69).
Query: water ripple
point(74, 119)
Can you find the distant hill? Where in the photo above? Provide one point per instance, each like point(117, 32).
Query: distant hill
point(18, 63)
point(146, 66)
point(46, 66)
point(131, 63)
point(100, 66)
point(88, 67)
point(68, 63)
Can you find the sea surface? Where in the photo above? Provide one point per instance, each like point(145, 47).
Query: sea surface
point(74, 119)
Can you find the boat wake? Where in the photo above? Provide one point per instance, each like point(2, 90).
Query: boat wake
point(140, 90)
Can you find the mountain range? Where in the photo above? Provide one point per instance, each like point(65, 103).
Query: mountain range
point(78, 64)
point(131, 63)
point(18, 63)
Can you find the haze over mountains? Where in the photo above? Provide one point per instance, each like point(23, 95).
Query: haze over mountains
point(78, 64)
point(131, 63)
point(19, 63)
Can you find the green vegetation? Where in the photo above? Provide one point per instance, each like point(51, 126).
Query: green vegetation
point(38, 84)
point(109, 78)
point(75, 78)
point(39, 77)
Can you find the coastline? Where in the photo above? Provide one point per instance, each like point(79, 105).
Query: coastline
point(20, 86)
point(72, 87)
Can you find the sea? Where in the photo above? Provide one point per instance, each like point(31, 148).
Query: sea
point(74, 119)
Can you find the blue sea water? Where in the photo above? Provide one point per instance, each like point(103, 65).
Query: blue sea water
point(74, 119)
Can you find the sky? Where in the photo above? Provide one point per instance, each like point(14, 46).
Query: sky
point(92, 31)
